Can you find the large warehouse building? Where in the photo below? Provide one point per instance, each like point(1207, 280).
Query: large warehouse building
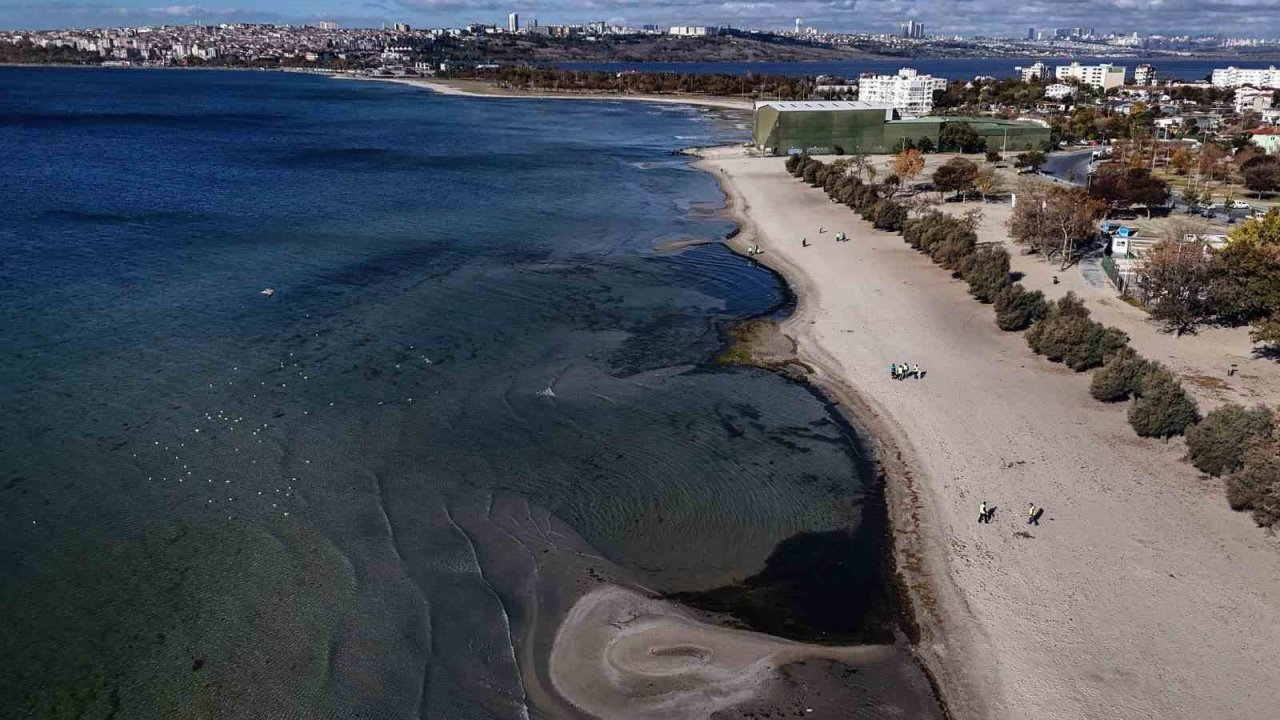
point(827, 127)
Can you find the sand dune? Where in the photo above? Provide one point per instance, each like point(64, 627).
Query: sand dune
point(1140, 595)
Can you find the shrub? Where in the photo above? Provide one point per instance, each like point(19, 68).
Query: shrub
point(1046, 337)
point(953, 246)
point(1163, 409)
point(987, 272)
point(993, 155)
point(1017, 308)
point(1097, 344)
point(1256, 485)
point(793, 162)
point(1216, 445)
point(889, 215)
point(1121, 376)
point(810, 172)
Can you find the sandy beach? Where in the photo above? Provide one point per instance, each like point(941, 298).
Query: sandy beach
point(1140, 594)
point(477, 89)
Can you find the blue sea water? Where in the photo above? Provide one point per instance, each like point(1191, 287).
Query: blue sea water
point(219, 503)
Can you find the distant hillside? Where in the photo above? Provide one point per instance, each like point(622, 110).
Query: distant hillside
point(660, 48)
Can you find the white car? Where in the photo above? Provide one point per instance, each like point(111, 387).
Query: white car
point(1240, 205)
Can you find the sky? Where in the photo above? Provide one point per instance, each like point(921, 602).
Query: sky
point(1244, 18)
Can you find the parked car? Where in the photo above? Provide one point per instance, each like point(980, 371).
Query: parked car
point(1240, 205)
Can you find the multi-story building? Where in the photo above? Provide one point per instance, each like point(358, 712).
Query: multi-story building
point(1036, 71)
point(403, 27)
point(909, 92)
point(329, 25)
point(1144, 75)
point(1253, 99)
point(1231, 77)
point(1031, 33)
point(1058, 91)
point(1103, 77)
point(693, 30)
point(912, 29)
point(513, 22)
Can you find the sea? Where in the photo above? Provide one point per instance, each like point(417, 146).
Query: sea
point(1188, 69)
point(286, 357)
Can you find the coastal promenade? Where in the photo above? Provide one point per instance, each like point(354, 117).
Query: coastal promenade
point(1140, 594)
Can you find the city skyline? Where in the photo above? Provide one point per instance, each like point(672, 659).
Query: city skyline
point(940, 17)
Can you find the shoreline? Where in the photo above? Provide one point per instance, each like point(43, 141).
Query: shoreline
point(909, 574)
point(463, 88)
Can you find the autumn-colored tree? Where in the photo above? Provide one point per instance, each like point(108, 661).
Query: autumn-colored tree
point(1209, 162)
point(987, 181)
point(1053, 219)
point(908, 164)
point(1182, 161)
point(957, 175)
point(1176, 278)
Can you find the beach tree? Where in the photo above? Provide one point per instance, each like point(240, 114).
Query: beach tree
point(1177, 279)
point(1120, 377)
point(1163, 408)
point(957, 176)
point(1249, 272)
point(986, 270)
point(1256, 485)
point(1017, 308)
point(908, 164)
point(1216, 445)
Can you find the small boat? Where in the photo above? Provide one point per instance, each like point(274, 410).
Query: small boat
point(268, 292)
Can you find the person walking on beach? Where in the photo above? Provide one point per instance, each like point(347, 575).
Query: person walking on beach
point(984, 515)
point(804, 242)
point(1033, 514)
point(893, 370)
point(915, 370)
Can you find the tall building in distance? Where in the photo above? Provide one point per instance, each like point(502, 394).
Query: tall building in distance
point(513, 22)
point(909, 92)
point(797, 25)
point(912, 29)
point(327, 25)
point(1144, 75)
point(1031, 33)
point(403, 27)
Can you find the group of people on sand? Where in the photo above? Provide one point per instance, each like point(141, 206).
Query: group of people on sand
point(986, 512)
point(841, 236)
point(902, 371)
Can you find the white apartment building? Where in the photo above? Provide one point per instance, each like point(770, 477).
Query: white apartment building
point(1144, 75)
point(513, 22)
point(1253, 100)
point(909, 92)
point(1057, 91)
point(1103, 77)
point(1231, 77)
point(693, 30)
point(1032, 72)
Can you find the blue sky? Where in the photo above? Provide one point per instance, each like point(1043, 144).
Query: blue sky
point(1230, 17)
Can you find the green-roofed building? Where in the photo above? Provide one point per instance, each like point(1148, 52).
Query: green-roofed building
point(834, 127)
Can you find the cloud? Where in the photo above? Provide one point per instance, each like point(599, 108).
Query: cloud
point(995, 17)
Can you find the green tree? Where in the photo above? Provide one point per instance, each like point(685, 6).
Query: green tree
point(960, 137)
point(1120, 377)
point(958, 175)
point(1216, 445)
point(1031, 160)
point(1256, 485)
point(987, 272)
point(1163, 409)
point(1017, 308)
